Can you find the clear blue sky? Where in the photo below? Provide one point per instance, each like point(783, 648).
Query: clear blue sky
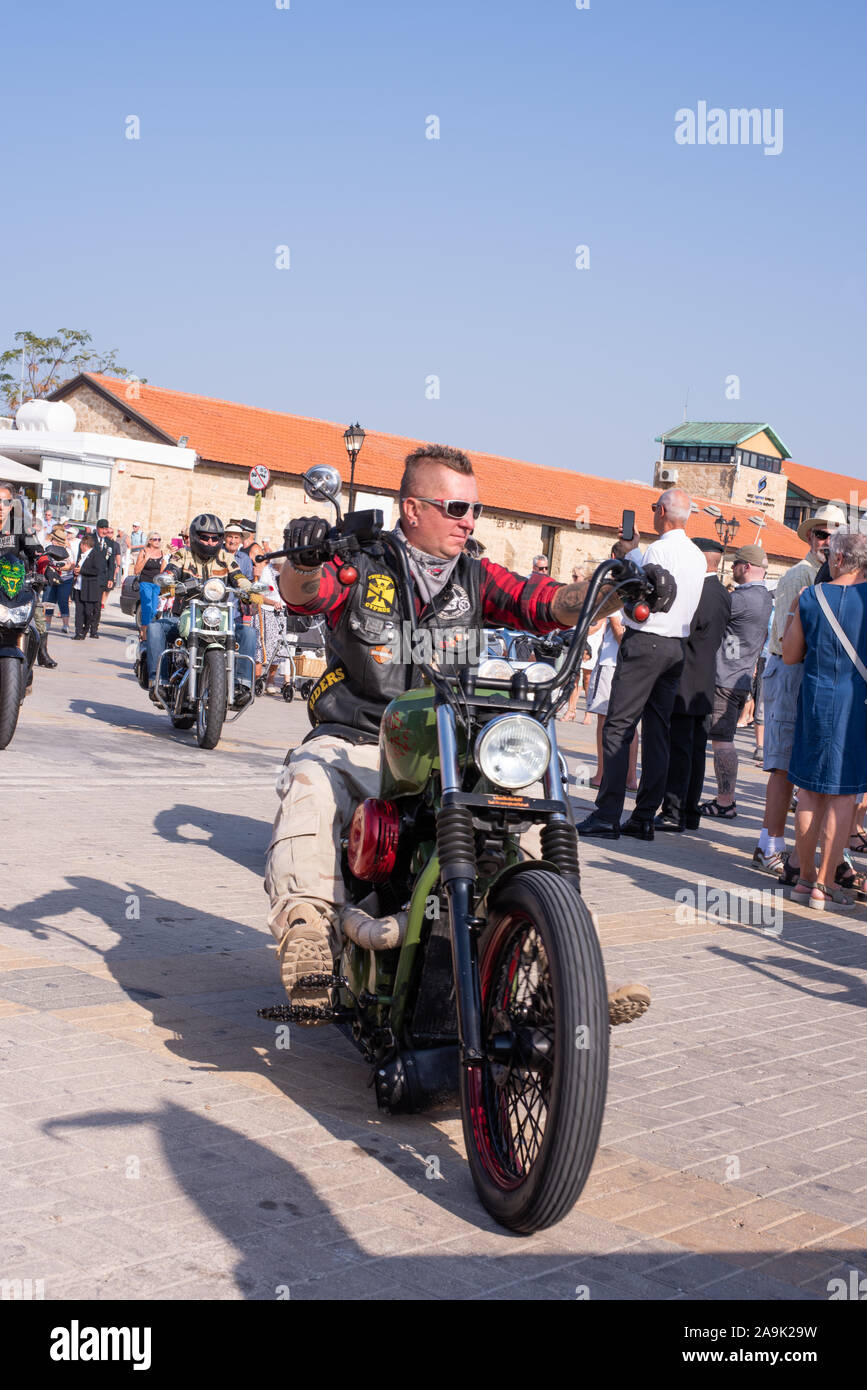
point(454, 257)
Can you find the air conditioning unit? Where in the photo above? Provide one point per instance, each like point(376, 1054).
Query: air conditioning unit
point(668, 475)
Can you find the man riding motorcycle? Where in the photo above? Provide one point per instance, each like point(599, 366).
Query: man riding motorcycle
point(337, 765)
point(204, 558)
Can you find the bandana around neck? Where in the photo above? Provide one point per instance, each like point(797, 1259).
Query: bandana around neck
point(430, 572)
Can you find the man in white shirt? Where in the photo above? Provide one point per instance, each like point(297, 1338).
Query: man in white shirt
point(646, 678)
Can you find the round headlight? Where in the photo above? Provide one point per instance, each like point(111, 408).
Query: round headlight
point(211, 616)
point(495, 669)
point(539, 671)
point(214, 590)
point(513, 751)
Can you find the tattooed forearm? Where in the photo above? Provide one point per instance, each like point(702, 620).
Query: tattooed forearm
point(299, 587)
point(568, 601)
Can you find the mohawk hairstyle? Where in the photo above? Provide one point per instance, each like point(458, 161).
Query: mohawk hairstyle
point(432, 453)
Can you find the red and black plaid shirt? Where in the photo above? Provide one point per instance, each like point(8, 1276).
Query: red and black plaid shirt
point(508, 599)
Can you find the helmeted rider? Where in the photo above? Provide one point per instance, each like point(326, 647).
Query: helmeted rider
point(204, 558)
point(337, 765)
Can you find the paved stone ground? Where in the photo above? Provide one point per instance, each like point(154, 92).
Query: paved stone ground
point(156, 1143)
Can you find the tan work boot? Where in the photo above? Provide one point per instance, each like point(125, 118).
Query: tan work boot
point(628, 1003)
point(305, 949)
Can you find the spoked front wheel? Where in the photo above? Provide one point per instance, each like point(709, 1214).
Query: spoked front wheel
point(532, 1111)
point(213, 698)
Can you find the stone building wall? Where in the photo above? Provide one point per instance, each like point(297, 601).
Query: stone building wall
point(714, 480)
point(95, 415)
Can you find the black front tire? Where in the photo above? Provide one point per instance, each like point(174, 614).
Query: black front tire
point(12, 679)
point(213, 699)
point(532, 1122)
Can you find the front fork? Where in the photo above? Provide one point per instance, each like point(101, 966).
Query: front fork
point(456, 853)
point(456, 847)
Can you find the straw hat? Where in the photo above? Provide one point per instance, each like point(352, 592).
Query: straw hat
point(58, 533)
point(828, 517)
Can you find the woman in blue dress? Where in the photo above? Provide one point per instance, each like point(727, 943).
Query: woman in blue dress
point(829, 757)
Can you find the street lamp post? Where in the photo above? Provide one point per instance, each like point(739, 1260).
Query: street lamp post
point(726, 530)
point(353, 438)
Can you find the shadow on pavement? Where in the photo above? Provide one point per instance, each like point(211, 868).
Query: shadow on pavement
point(290, 1242)
point(242, 839)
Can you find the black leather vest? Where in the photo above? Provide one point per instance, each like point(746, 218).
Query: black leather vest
point(369, 652)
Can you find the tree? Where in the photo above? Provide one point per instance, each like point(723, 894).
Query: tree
point(48, 363)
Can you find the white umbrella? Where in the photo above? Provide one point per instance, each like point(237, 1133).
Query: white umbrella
point(12, 472)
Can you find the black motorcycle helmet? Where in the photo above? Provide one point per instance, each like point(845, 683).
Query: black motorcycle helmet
point(207, 534)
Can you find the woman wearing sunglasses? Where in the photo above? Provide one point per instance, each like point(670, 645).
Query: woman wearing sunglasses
point(150, 562)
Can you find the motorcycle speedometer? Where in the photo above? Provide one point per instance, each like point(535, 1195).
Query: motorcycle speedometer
point(513, 751)
point(211, 616)
point(214, 590)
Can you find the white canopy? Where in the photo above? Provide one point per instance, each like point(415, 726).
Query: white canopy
point(12, 472)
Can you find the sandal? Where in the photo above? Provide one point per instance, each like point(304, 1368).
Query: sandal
point(713, 808)
point(822, 897)
point(759, 757)
point(801, 892)
point(861, 847)
point(851, 882)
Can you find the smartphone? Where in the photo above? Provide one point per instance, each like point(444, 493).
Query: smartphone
point(628, 526)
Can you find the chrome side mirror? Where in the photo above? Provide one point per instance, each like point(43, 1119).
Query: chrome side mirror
point(322, 483)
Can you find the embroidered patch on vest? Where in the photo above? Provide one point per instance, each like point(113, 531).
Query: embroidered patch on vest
point(456, 604)
point(379, 594)
point(325, 683)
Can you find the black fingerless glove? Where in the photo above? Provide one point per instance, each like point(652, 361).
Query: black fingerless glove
point(305, 536)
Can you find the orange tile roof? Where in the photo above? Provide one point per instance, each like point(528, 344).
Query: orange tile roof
point(826, 486)
point(224, 432)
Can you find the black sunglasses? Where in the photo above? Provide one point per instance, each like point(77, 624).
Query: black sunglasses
point(823, 535)
point(453, 507)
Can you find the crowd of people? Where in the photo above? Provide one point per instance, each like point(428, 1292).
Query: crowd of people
point(795, 659)
point(791, 661)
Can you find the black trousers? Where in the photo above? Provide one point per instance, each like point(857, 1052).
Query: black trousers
point(686, 765)
point(86, 615)
point(644, 687)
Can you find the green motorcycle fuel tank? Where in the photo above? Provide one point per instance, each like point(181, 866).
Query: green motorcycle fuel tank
point(408, 746)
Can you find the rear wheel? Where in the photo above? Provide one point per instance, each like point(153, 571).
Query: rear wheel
point(213, 698)
point(532, 1111)
point(12, 678)
point(288, 691)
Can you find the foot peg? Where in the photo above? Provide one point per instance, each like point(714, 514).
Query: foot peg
point(297, 1013)
point(306, 1013)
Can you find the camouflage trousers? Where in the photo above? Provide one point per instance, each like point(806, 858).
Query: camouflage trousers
point(319, 787)
point(39, 619)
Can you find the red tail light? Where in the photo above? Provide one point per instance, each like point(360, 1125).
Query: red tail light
point(372, 848)
point(641, 612)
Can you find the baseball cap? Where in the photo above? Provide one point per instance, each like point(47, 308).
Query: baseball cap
point(751, 555)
